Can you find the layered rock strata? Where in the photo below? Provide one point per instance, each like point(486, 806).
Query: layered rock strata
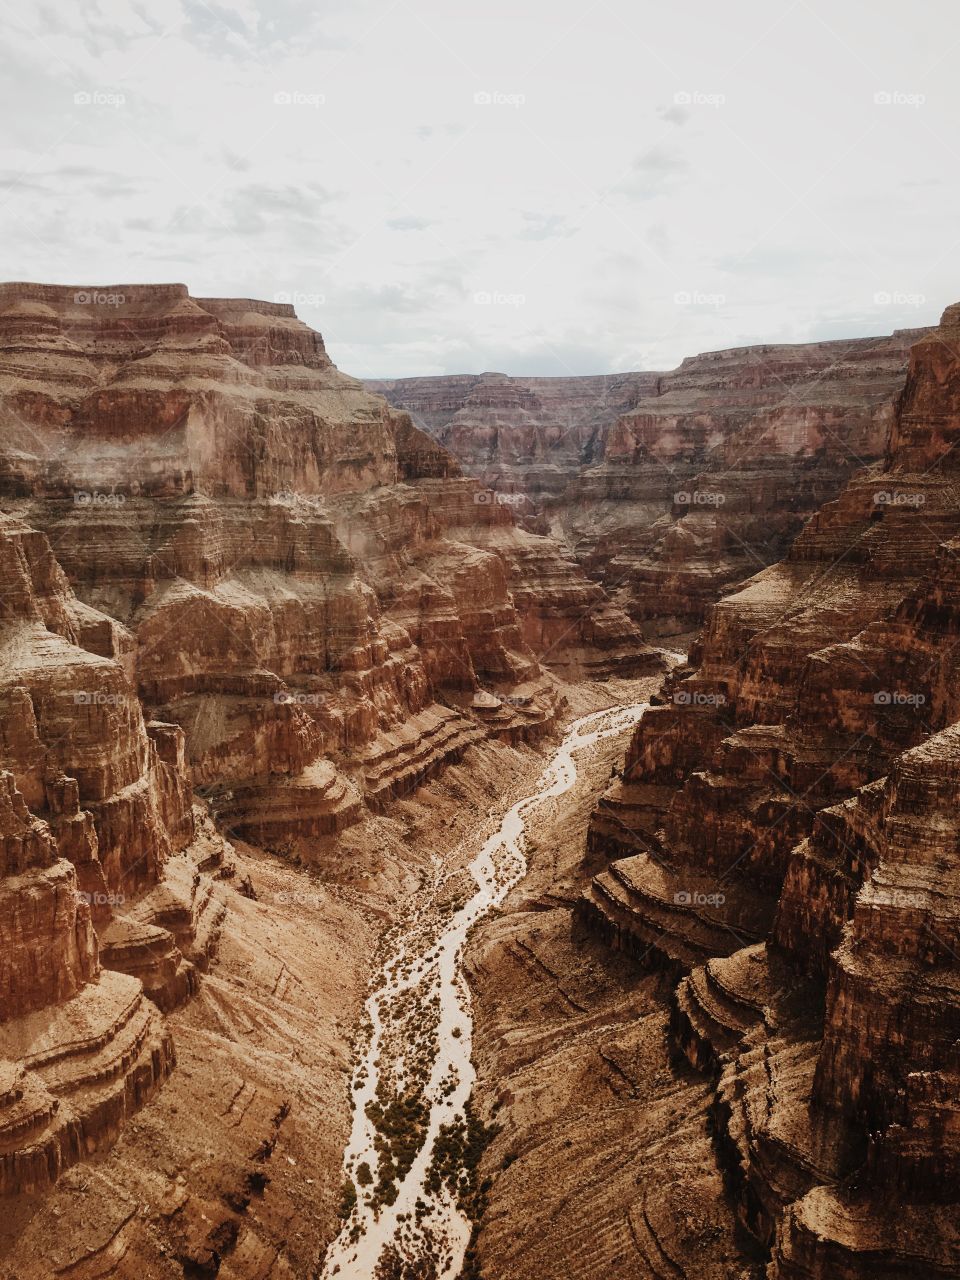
point(670, 487)
point(783, 836)
point(229, 576)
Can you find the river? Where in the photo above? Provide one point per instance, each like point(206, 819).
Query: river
point(417, 1048)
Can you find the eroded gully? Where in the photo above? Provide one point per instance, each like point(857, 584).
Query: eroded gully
point(414, 1076)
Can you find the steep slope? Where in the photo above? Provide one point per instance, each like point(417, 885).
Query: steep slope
point(91, 809)
point(238, 596)
point(788, 816)
point(669, 487)
point(205, 473)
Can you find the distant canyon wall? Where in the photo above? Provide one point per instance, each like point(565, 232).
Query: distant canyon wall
point(783, 844)
point(670, 487)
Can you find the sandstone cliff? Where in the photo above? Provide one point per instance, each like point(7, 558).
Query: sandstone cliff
point(784, 838)
point(670, 487)
point(204, 473)
point(240, 599)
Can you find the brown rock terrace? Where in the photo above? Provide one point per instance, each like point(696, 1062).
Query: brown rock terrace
point(269, 659)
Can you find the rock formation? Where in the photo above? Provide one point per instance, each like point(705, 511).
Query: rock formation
point(670, 487)
point(267, 654)
point(89, 812)
point(784, 841)
point(235, 587)
point(205, 473)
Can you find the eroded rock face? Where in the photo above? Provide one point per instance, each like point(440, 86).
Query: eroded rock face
point(238, 593)
point(786, 832)
point(89, 812)
point(208, 476)
point(670, 487)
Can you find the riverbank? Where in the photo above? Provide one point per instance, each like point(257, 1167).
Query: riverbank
point(602, 1164)
point(414, 1078)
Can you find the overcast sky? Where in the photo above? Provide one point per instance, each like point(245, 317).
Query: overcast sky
point(532, 187)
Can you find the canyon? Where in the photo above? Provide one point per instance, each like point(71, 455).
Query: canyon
point(246, 607)
point(669, 488)
point(289, 664)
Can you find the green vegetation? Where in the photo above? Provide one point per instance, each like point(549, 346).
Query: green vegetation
point(348, 1198)
point(455, 1163)
point(400, 1123)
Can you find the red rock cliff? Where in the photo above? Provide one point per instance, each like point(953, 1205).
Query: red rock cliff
point(671, 487)
point(789, 818)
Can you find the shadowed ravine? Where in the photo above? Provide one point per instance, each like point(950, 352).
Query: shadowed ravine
point(415, 1074)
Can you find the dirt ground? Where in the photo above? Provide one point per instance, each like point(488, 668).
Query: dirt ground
point(234, 1168)
point(603, 1168)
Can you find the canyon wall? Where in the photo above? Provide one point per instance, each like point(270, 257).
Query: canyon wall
point(782, 843)
point(671, 487)
point(242, 599)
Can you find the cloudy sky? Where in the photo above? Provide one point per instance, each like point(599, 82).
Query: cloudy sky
point(531, 186)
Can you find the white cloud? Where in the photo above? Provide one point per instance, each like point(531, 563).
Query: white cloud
point(571, 184)
point(408, 222)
